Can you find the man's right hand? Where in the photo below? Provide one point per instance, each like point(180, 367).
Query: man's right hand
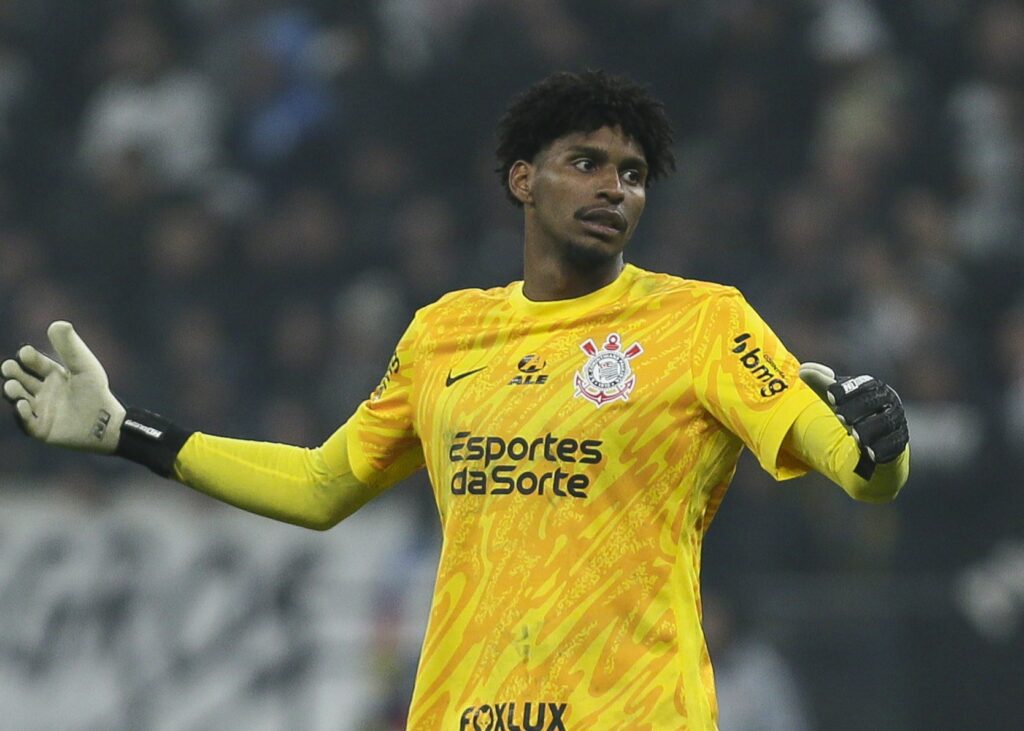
point(66, 403)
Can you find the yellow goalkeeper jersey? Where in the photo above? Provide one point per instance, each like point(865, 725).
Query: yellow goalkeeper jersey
point(578, 450)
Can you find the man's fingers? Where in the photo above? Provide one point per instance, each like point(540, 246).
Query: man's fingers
point(885, 433)
point(13, 370)
point(846, 388)
point(819, 377)
point(72, 350)
point(14, 391)
point(7, 368)
point(870, 400)
point(890, 446)
point(25, 412)
point(35, 362)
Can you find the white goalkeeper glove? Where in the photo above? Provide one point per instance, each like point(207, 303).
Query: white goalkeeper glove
point(69, 404)
point(65, 403)
point(871, 411)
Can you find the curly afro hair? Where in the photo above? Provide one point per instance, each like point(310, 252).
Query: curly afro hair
point(565, 103)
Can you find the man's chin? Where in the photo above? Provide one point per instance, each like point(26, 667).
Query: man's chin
point(589, 256)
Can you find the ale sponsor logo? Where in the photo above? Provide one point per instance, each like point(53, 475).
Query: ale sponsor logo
point(512, 716)
point(607, 375)
point(761, 366)
point(529, 372)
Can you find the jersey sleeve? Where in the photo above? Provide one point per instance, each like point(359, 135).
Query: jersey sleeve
point(383, 446)
point(819, 439)
point(748, 381)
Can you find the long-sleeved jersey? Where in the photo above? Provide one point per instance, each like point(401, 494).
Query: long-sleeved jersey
point(578, 450)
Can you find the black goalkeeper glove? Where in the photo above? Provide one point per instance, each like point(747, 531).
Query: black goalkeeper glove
point(869, 409)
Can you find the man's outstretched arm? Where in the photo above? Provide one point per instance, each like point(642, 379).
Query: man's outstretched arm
point(856, 435)
point(68, 403)
point(314, 488)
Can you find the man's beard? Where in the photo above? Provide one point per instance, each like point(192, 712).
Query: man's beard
point(585, 258)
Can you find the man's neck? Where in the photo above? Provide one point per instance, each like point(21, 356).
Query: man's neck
point(548, 278)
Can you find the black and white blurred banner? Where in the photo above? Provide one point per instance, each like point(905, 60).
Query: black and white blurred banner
point(162, 610)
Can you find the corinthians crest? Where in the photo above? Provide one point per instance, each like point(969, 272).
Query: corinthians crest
point(607, 376)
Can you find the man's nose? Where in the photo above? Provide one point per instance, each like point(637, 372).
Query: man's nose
point(611, 188)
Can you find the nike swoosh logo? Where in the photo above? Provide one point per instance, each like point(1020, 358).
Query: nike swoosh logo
point(452, 379)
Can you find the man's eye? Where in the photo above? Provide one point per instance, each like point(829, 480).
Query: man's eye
point(633, 177)
point(584, 165)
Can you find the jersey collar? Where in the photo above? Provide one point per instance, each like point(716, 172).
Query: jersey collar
point(577, 305)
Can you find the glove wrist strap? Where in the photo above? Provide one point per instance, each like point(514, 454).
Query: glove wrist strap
point(150, 440)
point(865, 465)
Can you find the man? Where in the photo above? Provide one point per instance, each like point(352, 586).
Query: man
point(579, 428)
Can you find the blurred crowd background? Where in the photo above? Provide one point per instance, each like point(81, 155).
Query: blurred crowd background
point(240, 203)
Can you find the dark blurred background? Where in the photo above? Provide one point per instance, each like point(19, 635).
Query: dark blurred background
point(240, 203)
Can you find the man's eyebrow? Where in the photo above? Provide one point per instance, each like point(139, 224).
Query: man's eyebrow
point(635, 162)
point(599, 153)
point(589, 151)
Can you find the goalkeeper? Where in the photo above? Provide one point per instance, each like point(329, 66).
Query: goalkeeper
point(580, 428)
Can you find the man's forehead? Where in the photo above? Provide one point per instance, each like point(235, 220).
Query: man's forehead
point(607, 138)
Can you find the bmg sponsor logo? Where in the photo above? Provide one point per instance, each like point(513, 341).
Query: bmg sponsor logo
point(530, 716)
point(760, 366)
point(500, 460)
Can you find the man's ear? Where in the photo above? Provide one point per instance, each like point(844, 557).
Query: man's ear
point(520, 181)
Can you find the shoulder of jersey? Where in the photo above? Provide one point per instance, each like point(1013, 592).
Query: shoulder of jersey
point(460, 299)
point(660, 284)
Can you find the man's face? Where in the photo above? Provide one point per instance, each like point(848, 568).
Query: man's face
point(586, 192)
